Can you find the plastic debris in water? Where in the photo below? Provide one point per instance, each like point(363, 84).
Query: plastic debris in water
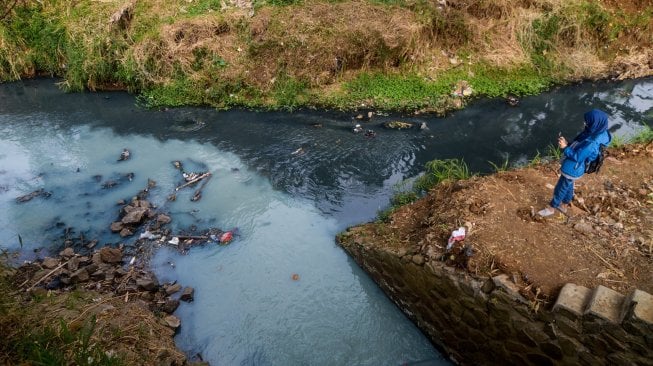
point(298, 151)
point(124, 155)
point(149, 236)
point(226, 237)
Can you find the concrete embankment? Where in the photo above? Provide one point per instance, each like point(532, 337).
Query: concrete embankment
point(483, 321)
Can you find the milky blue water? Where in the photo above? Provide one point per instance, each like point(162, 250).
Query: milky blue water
point(289, 182)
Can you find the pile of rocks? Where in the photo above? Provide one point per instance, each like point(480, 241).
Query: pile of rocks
point(135, 214)
point(103, 271)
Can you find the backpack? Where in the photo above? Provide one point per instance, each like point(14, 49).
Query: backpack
point(595, 165)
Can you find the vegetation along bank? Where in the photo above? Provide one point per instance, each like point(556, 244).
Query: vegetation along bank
point(417, 55)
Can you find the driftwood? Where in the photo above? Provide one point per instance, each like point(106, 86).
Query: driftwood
point(44, 277)
point(29, 196)
point(194, 237)
point(207, 174)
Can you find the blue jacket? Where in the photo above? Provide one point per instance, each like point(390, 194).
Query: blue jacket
point(585, 146)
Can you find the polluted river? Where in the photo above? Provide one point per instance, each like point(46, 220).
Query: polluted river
point(283, 185)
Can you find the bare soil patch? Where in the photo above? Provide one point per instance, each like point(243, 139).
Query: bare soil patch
point(606, 238)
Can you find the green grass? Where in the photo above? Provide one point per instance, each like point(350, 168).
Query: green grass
point(618, 141)
point(43, 34)
point(203, 7)
point(396, 92)
point(260, 3)
point(536, 160)
point(71, 39)
point(554, 152)
point(288, 92)
point(180, 92)
point(438, 171)
point(500, 168)
point(62, 346)
point(644, 136)
point(217, 93)
point(25, 342)
point(410, 92)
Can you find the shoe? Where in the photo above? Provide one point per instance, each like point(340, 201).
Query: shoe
point(546, 212)
point(562, 209)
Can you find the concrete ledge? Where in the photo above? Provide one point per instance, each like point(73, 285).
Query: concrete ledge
point(606, 304)
point(643, 306)
point(503, 281)
point(573, 298)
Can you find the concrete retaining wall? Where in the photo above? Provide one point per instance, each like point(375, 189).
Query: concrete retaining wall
point(488, 322)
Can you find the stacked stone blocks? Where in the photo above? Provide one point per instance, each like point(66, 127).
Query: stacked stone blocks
point(488, 322)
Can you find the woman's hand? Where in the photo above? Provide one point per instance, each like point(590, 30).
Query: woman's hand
point(562, 142)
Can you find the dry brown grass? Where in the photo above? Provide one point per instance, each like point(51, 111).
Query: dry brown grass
point(301, 41)
point(322, 43)
point(124, 327)
point(178, 45)
point(501, 45)
point(11, 52)
point(305, 41)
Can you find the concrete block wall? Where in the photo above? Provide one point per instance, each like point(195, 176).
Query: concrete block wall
point(487, 321)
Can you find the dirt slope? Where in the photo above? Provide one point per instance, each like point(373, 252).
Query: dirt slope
point(607, 239)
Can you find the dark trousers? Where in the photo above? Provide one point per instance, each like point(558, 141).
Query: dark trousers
point(563, 192)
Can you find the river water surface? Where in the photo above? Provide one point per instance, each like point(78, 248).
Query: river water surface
point(289, 182)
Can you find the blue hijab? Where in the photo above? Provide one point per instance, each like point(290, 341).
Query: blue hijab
point(596, 122)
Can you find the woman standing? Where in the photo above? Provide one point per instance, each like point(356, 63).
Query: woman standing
point(582, 150)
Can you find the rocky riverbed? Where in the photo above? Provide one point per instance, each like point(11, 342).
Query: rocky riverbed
point(109, 288)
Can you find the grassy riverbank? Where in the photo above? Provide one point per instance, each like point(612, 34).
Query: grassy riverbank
point(81, 324)
point(384, 54)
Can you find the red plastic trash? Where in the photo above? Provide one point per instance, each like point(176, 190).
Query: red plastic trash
point(226, 237)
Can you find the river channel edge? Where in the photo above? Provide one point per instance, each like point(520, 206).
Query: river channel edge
point(98, 293)
point(90, 313)
point(507, 312)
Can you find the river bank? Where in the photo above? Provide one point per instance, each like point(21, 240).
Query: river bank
point(604, 240)
point(96, 307)
point(490, 281)
point(412, 56)
point(60, 155)
point(89, 310)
